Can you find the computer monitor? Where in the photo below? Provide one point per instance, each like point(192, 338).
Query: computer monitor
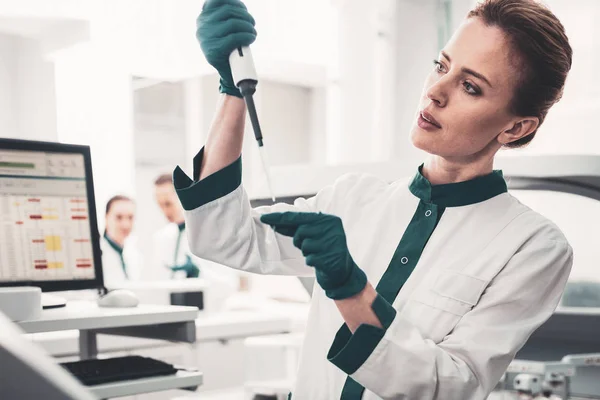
point(27, 372)
point(48, 230)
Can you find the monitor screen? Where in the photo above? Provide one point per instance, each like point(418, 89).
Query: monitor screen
point(48, 229)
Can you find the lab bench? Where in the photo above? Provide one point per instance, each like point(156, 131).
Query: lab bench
point(172, 323)
point(217, 345)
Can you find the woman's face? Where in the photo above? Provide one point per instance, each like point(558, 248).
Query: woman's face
point(467, 94)
point(119, 220)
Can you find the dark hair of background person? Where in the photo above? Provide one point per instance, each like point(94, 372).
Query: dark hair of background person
point(116, 198)
point(162, 179)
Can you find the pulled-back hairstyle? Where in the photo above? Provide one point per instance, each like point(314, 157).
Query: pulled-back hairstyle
point(542, 52)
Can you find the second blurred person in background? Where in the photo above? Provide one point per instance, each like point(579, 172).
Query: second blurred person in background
point(172, 254)
point(170, 241)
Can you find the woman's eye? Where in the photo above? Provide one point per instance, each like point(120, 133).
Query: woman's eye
point(438, 66)
point(470, 89)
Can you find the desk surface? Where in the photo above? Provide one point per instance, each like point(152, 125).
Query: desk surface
point(182, 379)
point(221, 326)
point(87, 315)
point(239, 324)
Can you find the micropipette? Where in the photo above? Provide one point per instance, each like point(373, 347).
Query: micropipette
point(245, 78)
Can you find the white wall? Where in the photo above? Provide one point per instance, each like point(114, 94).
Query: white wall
point(319, 116)
point(159, 145)
point(8, 67)
point(417, 45)
point(36, 96)
point(285, 122)
point(27, 96)
point(95, 107)
point(171, 121)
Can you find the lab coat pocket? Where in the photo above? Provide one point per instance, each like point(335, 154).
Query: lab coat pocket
point(461, 291)
point(436, 309)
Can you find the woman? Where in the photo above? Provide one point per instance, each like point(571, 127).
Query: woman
point(121, 261)
point(428, 287)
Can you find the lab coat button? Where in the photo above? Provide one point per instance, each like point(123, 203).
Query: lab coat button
point(427, 213)
point(404, 260)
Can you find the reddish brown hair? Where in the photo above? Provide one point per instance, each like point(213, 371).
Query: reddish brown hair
point(543, 52)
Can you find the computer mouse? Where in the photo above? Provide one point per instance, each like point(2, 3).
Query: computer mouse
point(119, 298)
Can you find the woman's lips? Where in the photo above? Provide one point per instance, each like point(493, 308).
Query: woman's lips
point(430, 118)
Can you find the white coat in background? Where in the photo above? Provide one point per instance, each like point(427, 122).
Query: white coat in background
point(112, 267)
point(222, 281)
point(490, 274)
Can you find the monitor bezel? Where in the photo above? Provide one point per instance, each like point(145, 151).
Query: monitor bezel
point(54, 147)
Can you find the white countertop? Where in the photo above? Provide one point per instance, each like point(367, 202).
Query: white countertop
point(223, 325)
point(80, 314)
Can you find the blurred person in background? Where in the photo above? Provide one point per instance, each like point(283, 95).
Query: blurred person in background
point(172, 254)
point(171, 241)
point(121, 260)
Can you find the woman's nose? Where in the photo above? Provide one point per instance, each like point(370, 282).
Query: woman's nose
point(437, 93)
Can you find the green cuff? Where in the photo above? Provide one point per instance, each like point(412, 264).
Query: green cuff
point(349, 351)
point(194, 194)
point(385, 311)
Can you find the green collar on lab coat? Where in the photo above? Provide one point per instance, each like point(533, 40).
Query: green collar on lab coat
point(119, 251)
point(458, 194)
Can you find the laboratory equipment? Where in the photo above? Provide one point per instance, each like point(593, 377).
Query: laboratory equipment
point(246, 79)
point(98, 371)
point(528, 384)
point(21, 303)
point(50, 235)
point(538, 378)
point(28, 373)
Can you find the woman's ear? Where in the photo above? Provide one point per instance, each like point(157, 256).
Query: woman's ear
point(519, 129)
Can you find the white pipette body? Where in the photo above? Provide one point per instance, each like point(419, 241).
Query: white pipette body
point(246, 79)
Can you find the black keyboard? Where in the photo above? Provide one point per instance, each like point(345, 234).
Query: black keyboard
point(95, 372)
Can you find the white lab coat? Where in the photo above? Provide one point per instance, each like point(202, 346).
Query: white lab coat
point(490, 274)
point(165, 246)
point(112, 268)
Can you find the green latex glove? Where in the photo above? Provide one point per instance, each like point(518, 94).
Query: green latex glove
point(191, 270)
point(322, 239)
point(221, 27)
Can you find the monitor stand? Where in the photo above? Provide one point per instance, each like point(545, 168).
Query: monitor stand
point(52, 301)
